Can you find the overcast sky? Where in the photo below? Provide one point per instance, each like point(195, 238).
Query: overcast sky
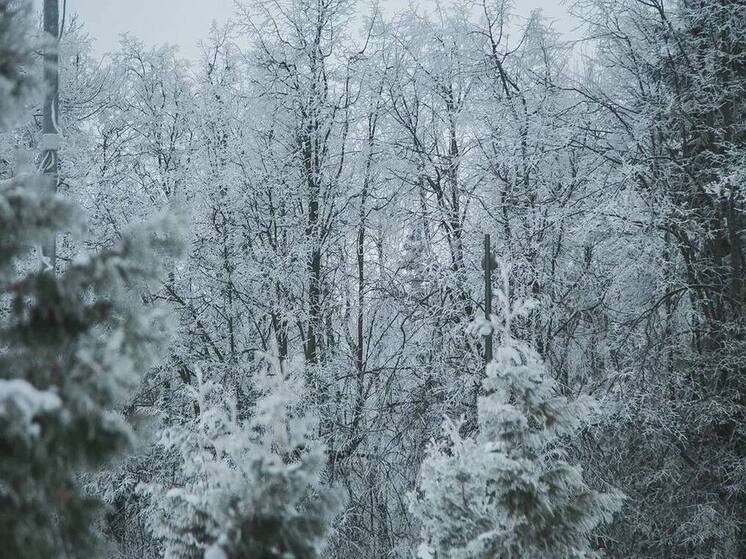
point(185, 22)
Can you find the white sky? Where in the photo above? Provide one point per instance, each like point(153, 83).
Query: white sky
point(185, 22)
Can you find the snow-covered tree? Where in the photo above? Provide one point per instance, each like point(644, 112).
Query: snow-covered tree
point(510, 490)
point(16, 83)
point(671, 76)
point(248, 487)
point(339, 182)
point(71, 346)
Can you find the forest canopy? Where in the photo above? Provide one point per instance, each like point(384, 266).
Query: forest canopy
point(435, 284)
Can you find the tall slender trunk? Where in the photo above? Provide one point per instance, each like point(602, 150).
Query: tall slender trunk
point(50, 117)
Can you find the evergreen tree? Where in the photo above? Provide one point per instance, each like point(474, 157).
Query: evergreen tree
point(16, 52)
point(71, 346)
point(510, 491)
point(248, 488)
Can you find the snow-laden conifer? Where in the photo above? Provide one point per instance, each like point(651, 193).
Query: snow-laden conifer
point(510, 490)
point(72, 345)
point(17, 83)
point(248, 487)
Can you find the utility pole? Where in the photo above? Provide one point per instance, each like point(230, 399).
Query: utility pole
point(487, 265)
point(50, 139)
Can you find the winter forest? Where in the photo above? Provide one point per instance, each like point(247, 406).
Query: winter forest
point(352, 284)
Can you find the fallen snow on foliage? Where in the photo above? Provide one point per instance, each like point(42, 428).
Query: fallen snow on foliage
point(215, 552)
point(19, 398)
